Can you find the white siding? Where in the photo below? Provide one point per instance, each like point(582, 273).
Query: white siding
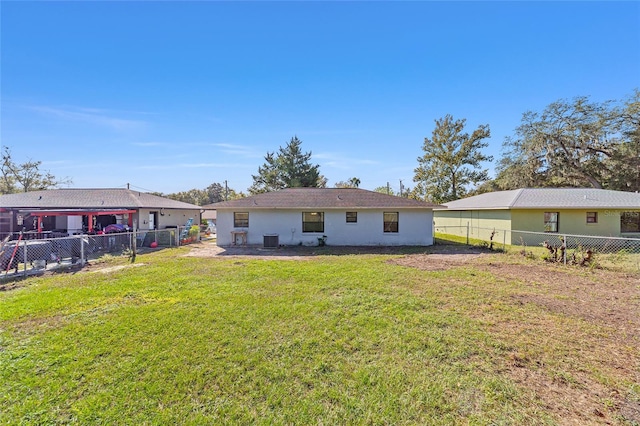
point(415, 227)
point(172, 217)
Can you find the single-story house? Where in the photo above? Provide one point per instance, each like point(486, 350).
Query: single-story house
point(575, 211)
point(72, 211)
point(311, 216)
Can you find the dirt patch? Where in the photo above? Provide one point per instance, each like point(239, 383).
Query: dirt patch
point(605, 302)
point(439, 261)
point(210, 249)
point(110, 269)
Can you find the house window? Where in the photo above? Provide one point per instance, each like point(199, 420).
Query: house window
point(551, 221)
point(592, 217)
point(630, 222)
point(241, 219)
point(352, 217)
point(390, 221)
point(312, 222)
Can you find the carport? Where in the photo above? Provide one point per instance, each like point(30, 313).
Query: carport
point(90, 214)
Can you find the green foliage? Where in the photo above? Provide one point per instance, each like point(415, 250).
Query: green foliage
point(354, 182)
point(575, 143)
point(385, 190)
point(451, 162)
point(194, 230)
point(25, 177)
point(288, 168)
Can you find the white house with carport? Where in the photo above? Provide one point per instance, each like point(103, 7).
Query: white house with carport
point(76, 210)
point(310, 216)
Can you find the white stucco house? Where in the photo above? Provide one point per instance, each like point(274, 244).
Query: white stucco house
point(340, 216)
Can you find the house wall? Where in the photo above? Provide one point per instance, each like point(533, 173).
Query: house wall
point(572, 222)
point(73, 225)
point(481, 222)
point(414, 227)
point(172, 217)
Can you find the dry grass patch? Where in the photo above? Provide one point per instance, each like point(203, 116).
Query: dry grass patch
point(571, 336)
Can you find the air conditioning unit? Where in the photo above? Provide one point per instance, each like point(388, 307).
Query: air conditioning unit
point(271, 241)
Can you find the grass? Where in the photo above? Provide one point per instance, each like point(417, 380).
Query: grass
point(332, 339)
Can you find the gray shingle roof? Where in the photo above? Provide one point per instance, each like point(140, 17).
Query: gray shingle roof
point(561, 198)
point(325, 198)
point(74, 198)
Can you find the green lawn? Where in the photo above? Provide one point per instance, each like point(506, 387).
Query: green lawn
point(325, 340)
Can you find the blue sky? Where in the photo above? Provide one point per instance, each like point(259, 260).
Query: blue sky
point(170, 96)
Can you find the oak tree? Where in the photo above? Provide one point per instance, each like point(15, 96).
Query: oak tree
point(575, 143)
point(25, 177)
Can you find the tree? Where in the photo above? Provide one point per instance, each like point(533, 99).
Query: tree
point(451, 161)
point(575, 143)
point(288, 168)
point(25, 177)
point(354, 182)
point(384, 190)
point(211, 194)
point(627, 156)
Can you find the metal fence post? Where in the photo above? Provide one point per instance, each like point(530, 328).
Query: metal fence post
point(134, 240)
point(24, 252)
point(566, 247)
point(81, 249)
point(467, 233)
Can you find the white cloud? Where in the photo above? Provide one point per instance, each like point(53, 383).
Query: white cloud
point(341, 161)
point(150, 144)
point(192, 166)
point(241, 150)
point(92, 116)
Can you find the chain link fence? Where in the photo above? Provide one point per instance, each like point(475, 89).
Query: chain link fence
point(555, 246)
point(29, 254)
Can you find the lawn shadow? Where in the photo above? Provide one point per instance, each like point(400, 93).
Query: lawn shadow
point(306, 251)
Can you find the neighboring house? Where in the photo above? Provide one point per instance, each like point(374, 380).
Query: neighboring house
point(209, 215)
point(576, 211)
point(344, 216)
point(73, 211)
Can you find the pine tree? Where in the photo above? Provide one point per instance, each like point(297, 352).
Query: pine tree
point(288, 168)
